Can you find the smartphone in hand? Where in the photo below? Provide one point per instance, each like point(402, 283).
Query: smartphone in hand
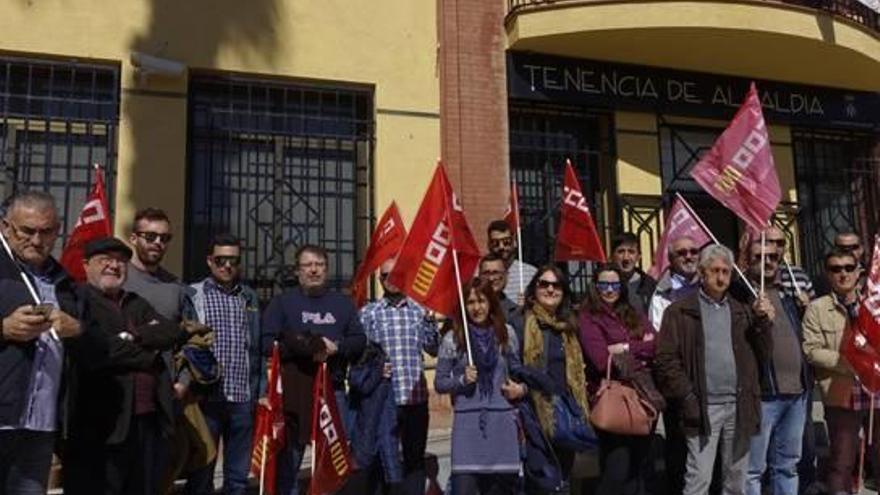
point(44, 309)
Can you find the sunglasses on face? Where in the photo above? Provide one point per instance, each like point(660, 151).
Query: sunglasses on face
point(681, 253)
point(152, 237)
point(767, 256)
point(847, 247)
point(546, 284)
point(608, 286)
point(505, 242)
point(232, 261)
point(841, 268)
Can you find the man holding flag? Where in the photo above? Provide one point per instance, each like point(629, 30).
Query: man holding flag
point(503, 243)
point(313, 325)
point(828, 323)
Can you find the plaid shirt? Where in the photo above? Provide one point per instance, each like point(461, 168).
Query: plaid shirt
point(861, 400)
point(225, 312)
point(404, 331)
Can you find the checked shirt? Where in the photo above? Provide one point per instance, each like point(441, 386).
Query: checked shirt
point(225, 312)
point(404, 331)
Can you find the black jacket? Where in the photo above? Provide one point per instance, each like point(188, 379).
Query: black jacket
point(16, 358)
point(104, 387)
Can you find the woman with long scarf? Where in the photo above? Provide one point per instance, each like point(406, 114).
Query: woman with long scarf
point(609, 325)
point(553, 363)
point(485, 444)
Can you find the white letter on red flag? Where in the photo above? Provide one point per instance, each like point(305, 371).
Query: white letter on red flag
point(577, 238)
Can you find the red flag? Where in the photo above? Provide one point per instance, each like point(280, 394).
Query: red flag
point(577, 238)
point(332, 462)
point(93, 223)
point(385, 242)
point(869, 311)
point(861, 341)
point(738, 171)
point(511, 216)
point(269, 428)
point(679, 223)
point(425, 270)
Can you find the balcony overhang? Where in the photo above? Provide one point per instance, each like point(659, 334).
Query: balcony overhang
point(761, 39)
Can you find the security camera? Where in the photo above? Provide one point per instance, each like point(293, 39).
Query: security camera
point(150, 65)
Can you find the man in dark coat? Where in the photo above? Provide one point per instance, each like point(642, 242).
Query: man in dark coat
point(123, 410)
point(707, 368)
point(32, 357)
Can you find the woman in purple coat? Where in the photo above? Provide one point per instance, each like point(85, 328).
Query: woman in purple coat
point(610, 325)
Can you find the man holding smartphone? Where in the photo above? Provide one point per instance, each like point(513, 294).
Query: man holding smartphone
point(31, 358)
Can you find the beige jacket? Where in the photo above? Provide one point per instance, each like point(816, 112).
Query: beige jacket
point(825, 322)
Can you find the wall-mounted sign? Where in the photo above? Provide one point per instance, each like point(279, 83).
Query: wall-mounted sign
point(547, 78)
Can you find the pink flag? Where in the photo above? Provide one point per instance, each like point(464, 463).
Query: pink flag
point(679, 223)
point(738, 171)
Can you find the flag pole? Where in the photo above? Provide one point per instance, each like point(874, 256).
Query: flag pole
point(263, 464)
point(519, 245)
point(26, 280)
point(467, 334)
point(862, 457)
point(715, 240)
point(763, 248)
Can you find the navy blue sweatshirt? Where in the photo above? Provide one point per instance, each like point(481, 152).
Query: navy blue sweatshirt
point(330, 314)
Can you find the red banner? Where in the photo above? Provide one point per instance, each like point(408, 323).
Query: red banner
point(511, 216)
point(869, 312)
point(577, 238)
point(385, 243)
point(424, 269)
point(332, 462)
point(93, 223)
point(679, 223)
point(861, 343)
point(739, 171)
point(269, 428)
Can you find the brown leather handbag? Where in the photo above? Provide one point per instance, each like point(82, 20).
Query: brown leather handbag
point(620, 409)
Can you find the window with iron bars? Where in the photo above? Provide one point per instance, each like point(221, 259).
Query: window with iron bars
point(279, 165)
point(57, 119)
point(837, 187)
point(542, 137)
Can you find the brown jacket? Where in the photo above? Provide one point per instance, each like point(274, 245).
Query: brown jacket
point(825, 322)
point(679, 367)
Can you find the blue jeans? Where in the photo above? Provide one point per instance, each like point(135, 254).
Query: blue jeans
point(290, 459)
point(780, 439)
point(25, 458)
point(234, 422)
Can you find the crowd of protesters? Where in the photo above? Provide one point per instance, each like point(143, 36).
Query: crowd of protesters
point(136, 379)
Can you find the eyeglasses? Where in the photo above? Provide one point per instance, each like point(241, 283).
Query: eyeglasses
point(841, 268)
point(608, 286)
point(503, 242)
point(767, 256)
point(105, 260)
point(546, 284)
point(232, 261)
point(30, 232)
point(681, 253)
point(152, 237)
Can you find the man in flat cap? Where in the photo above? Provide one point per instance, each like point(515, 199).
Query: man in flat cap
point(122, 415)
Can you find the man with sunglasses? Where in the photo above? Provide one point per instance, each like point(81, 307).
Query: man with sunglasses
point(786, 380)
point(852, 243)
point(680, 280)
point(231, 308)
point(31, 359)
point(847, 405)
point(404, 330)
point(793, 280)
point(502, 243)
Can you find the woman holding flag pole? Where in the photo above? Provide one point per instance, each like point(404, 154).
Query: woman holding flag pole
point(473, 367)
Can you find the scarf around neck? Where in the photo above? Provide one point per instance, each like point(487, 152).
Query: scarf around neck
point(539, 320)
point(485, 349)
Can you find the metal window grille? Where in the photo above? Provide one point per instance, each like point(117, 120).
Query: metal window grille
point(57, 118)
point(837, 190)
point(541, 138)
point(279, 165)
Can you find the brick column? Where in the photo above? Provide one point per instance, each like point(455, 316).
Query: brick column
point(473, 106)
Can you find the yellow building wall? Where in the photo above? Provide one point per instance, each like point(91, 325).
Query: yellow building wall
point(389, 47)
point(638, 161)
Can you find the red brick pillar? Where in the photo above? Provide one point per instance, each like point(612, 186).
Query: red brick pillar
point(473, 106)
